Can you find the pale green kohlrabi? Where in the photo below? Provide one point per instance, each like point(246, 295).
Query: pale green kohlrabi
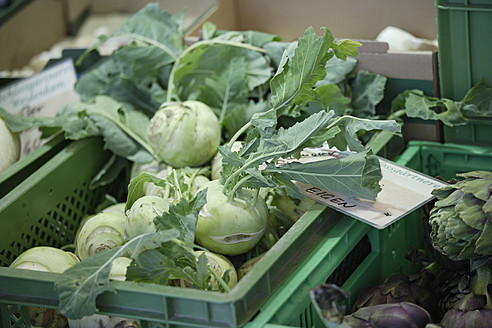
point(101, 231)
point(220, 265)
point(140, 217)
point(118, 272)
point(9, 146)
point(231, 226)
point(184, 133)
point(48, 259)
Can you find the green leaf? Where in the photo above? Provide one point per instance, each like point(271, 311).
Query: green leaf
point(345, 47)
point(421, 106)
point(331, 98)
point(153, 267)
point(137, 185)
point(367, 92)
point(478, 101)
point(350, 127)
point(123, 129)
point(355, 176)
point(153, 24)
point(183, 217)
point(337, 70)
point(226, 91)
point(295, 80)
point(79, 286)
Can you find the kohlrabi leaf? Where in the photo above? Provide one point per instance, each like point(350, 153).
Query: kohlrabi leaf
point(122, 128)
point(137, 186)
point(79, 286)
point(345, 47)
point(295, 79)
point(183, 216)
point(478, 101)
point(271, 146)
point(367, 91)
point(233, 121)
point(356, 175)
point(337, 70)
point(421, 106)
point(155, 26)
point(162, 265)
point(225, 91)
point(153, 267)
point(350, 127)
point(276, 51)
point(330, 97)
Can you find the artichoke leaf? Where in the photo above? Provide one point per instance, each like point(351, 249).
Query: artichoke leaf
point(469, 209)
point(450, 200)
point(480, 188)
point(476, 174)
point(487, 208)
point(468, 251)
point(484, 242)
point(443, 192)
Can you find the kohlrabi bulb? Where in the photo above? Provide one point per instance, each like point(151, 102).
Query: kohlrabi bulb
point(220, 264)
point(184, 133)
point(48, 259)
point(140, 217)
point(231, 227)
point(9, 145)
point(119, 267)
point(101, 231)
point(45, 258)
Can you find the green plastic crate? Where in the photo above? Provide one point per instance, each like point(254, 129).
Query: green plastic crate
point(46, 208)
point(464, 33)
point(368, 260)
point(475, 132)
point(24, 167)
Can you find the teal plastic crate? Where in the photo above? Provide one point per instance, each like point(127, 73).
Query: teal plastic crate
point(475, 132)
point(46, 208)
point(368, 260)
point(464, 33)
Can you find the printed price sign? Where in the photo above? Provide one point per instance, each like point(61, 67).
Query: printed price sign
point(43, 94)
point(403, 190)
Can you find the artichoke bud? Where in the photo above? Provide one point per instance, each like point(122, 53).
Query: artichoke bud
point(461, 219)
point(102, 231)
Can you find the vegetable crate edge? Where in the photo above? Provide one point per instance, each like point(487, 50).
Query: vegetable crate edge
point(50, 203)
point(291, 305)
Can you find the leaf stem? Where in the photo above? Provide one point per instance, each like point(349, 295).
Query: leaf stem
point(238, 133)
point(236, 187)
point(139, 140)
point(220, 280)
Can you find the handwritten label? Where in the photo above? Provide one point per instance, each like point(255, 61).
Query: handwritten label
point(41, 95)
point(403, 190)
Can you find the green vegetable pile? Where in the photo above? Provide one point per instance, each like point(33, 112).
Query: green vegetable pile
point(453, 288)
point(243, 101)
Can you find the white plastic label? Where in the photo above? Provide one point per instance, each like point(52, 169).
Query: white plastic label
point(403, 190)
